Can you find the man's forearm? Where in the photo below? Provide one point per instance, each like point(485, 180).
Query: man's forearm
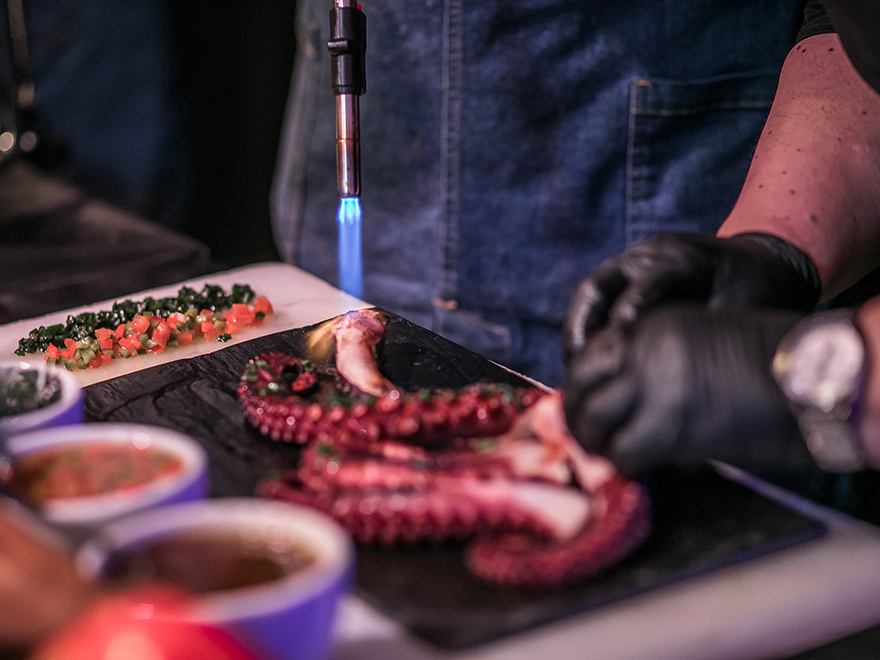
point(815, 176)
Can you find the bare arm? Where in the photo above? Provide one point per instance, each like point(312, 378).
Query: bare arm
point(815, 176)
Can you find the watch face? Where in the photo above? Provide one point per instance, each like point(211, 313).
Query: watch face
point(822, 365)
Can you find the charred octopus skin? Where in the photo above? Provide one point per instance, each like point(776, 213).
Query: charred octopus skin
point(489, 464)
point(357, 403)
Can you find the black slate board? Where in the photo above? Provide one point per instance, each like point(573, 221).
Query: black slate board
point(701, 521)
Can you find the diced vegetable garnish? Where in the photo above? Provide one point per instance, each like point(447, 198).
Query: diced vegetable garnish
point(92, 340)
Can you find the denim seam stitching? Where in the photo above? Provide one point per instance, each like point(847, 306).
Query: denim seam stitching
point(450, 147)
point(634, 181)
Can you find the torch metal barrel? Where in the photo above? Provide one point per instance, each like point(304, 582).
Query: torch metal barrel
point(348, 150)
point(348, 45)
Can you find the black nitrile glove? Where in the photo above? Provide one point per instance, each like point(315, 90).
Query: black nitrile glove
point(685, 384)
point(757, 270)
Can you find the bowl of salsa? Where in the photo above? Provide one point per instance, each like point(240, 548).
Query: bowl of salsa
point(81, 477)
point(35, 396)
point(269, 573)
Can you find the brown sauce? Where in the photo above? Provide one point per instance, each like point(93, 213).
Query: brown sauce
point(87, 469)
point(211, 560)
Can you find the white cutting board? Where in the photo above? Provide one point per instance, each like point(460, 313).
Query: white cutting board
point(298, 298)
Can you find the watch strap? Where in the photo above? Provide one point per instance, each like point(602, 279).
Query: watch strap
point(830, 438)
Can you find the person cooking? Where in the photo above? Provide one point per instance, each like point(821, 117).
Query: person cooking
point(508, 148)
point(733, 376)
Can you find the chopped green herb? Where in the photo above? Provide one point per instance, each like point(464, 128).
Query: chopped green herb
point(23, 391)
point(81, 326)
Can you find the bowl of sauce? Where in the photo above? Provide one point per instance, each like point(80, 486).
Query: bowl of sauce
point(81, 477)
point(35, 396)
point(270, 573)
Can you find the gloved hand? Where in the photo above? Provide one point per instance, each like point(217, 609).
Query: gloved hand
point(685, 384)
point(756, 270)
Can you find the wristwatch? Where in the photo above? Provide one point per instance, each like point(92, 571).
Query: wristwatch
point(820, 365)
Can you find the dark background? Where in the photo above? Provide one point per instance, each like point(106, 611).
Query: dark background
point(236, 61)
point(169, 111)
point(158, 126)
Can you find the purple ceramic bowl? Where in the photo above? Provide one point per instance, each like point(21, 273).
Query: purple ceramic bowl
point(287, 618)
point(67, 409)
point(82, 515)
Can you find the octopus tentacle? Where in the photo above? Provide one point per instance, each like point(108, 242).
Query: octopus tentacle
point(619, 524)
point(283, 415)
point(357, 337)
point(456, 509)
point(489, 463)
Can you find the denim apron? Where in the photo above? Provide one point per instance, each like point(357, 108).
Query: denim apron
point(510, 146)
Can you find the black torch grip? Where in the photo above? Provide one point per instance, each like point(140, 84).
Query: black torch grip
point(348, 47)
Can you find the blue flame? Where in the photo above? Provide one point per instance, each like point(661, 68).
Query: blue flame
point(351, 270)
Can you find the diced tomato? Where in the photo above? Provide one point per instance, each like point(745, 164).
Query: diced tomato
point(161, 333)
point(262, 304)
point(140, 324)
point(174, 319)
point(154, 333)
point(244, 314)
point(70, 349)
point(131, 344)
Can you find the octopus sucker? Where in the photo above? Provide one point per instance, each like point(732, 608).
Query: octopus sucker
point(457, 509)
point(490, 465)
point(427, 416)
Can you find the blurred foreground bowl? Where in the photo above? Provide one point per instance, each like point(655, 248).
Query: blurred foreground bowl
point(269, 573)
point(81, 477)
point(36, 396)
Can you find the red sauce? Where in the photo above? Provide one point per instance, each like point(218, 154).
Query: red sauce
point(89, 469)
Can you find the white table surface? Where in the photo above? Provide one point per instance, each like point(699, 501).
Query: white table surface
point(773, 606)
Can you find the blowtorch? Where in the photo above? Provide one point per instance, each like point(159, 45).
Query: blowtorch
point(348, 45)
